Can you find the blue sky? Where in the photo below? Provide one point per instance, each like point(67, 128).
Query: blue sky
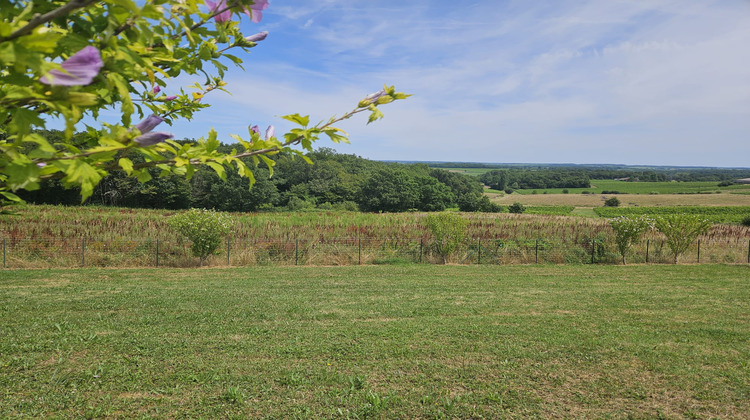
point(631, 82)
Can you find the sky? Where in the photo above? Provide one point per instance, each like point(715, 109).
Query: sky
point(641, 82)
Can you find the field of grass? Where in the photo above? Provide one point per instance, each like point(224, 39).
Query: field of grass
point(66, 237)
point(108, 223)
point(716, 214)
point(468, 171)
point(644, 200)
point(377, 342)
point(599, 185)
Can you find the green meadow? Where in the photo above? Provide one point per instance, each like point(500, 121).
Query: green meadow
point(410, 341)
point(624, 187)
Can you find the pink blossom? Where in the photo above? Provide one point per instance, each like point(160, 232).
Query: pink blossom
point(256, 10)
point(80, 69)
point(214, 7)
point(260, 36)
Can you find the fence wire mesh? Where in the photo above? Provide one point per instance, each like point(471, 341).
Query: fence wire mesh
point(89, 252)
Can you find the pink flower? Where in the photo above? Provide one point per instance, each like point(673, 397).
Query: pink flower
point(80, 69)
point(149, 123)
point(214, 7)
point(256, 10)
point(147, 137)
point(156, 89)
point(260, 36)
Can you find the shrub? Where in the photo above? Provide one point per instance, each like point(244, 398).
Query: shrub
point(205, 228)
point(516, 208)
point(612, 202)
point(449, 230)
point(745, 221)
point(681, 230)
point(628, 230)
point(565, 191)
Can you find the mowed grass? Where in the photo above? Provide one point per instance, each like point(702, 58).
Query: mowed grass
point(408, 341)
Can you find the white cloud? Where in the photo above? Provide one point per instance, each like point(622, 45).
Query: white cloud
point(615, 81)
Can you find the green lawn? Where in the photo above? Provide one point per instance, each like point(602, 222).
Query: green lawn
point(411, 341)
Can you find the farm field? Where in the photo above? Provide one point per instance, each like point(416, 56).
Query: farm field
point(643, 200)
point(696, 187)
point(378, 341)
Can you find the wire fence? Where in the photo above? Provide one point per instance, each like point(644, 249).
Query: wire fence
point(87, 252)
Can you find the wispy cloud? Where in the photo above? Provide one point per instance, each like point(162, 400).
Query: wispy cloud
point(660, 82)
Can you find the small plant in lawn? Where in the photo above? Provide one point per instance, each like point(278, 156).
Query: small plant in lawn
point(681, 230)
point(449, 230)
point(628, 230)
point(233, 395)
point(205, 228)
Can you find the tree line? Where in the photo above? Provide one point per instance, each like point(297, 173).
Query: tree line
point(334, 181)
point(514, 179)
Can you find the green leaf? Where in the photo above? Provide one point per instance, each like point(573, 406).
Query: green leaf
point(10, 196)
point(24, 120)
point(126, 165)
point(142, 175)
point(375, 114)
point(219, 169)
point(298, 119)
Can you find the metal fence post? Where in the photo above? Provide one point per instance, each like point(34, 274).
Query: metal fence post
point(593, 249)
point(748, 251)
point(536, 252)
point(4, 266)
point(421, 245)
point(83, 252)
point(296, 252)
point(359, 251)
point(648, 242)
point(479, 251)
point(699, 251)
point(228, 247)
point(157, 253)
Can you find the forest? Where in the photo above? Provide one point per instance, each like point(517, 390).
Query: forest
point(333, 181)
point(336, 181)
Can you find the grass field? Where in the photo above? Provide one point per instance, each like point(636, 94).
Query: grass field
point(377, 342)
point(599, 185)
point(643, 200)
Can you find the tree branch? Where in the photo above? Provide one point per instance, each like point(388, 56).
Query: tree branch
point(38, 19)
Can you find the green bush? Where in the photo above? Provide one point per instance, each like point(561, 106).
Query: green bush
point(612, 202)
point(205, 228)
point(449, 230)
point(516, 208)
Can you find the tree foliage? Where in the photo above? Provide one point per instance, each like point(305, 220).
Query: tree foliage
point(681, 230)
point(205, 228)
point(449, 230)
point(502, 179)
point(628, 230)
point(73, 59)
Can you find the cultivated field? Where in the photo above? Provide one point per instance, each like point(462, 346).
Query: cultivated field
point(643, 200)
point(377, 342)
